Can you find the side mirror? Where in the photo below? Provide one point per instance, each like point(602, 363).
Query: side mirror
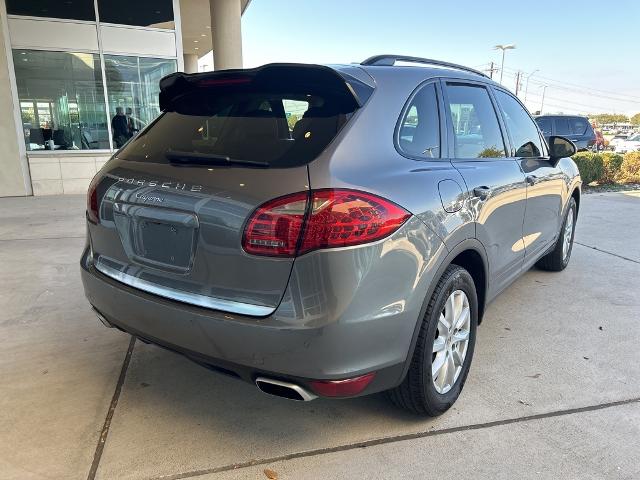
point(560, 147)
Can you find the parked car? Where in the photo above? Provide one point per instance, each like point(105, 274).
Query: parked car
point(352, 252)
point(575, 128)
point(619, 138)
point(631, 144)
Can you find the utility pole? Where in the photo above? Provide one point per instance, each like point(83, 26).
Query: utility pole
point(544, 89)
point(526, 89)
point(492, 69)
point(518, 81)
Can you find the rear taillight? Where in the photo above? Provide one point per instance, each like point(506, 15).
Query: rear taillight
point(92, 201)
point(331, 218)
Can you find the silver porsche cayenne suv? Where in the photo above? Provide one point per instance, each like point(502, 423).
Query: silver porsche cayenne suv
point(328, 231)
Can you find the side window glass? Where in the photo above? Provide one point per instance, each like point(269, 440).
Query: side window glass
point(545, 126)
point(522, 129)
point(294, 110)
point(562, 126)
point(419, 133)
point(476, 131)
point(578, 126)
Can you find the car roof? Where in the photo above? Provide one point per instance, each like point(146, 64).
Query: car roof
point(414, 69)
point(560, 115)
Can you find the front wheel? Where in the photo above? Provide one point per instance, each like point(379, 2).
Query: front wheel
point(558, 259)
point(444, 348)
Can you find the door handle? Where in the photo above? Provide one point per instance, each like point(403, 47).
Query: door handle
point(482, 192)
point(531, 179)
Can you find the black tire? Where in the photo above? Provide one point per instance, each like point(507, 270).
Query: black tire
point(417, 392)
point(555, 261)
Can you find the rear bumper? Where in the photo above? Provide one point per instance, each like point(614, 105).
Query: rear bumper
point(249, 347)
point(343, 315)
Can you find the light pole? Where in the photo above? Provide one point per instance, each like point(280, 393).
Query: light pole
point(544, 89)
point(526, 89)
point(504, 48)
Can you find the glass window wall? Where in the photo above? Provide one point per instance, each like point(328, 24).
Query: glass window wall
point(132, 89)
point(61, 99)
point(143, 13)
point(69, 9)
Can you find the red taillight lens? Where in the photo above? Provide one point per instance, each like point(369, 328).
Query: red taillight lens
point(335, 218)
point(274, 228)
point(341, 218)
point(92, 201)
point(342, 388)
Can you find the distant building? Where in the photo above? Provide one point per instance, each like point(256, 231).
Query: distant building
point(618, 127)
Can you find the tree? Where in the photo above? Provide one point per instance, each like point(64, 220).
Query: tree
point(601, 118)
point(635, 119)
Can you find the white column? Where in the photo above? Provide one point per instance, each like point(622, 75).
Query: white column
point(226, 33)
point(190, 63)
point(14, 170)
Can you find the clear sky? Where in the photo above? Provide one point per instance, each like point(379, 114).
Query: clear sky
point(587, 51)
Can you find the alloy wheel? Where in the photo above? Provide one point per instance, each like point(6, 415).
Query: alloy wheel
point(451, 342)
point(568, 235)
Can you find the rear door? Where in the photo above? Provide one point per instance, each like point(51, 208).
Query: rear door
point(544, 179)
point(495, 181)
point(174, 201)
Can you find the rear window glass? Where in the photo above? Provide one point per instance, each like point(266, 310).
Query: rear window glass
point(255, 127)
point(579, 126)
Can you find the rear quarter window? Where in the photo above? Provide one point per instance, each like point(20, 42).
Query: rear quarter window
point(419, 128)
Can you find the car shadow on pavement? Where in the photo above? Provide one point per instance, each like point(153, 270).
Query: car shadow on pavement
point(170, 402)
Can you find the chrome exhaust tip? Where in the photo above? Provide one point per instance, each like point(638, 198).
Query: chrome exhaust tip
point(281, 389)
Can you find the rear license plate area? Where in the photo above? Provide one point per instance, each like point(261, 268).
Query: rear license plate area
point(165, 244)
point(156, 237)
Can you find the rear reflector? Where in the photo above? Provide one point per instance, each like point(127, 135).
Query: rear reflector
point(342, 388)
point(328, 218)
point(92, 201)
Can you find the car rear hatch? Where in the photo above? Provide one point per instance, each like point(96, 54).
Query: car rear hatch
point(167, 212)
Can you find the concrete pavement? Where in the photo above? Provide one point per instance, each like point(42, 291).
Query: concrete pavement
point(553, 390)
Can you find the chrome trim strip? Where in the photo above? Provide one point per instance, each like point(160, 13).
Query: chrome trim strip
point(185, 297)
point(305, 394)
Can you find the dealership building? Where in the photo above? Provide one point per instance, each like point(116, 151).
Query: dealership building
point(67, 67)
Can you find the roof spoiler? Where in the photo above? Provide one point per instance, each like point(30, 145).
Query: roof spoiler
point(276, 77)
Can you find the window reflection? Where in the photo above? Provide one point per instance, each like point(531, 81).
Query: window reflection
point(133, 89)
point(476, 131)
point(70, 9)
point(143, 13)
point(61, 100)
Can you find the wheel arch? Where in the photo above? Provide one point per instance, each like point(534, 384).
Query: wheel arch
point(470, 255)
point(576, 196)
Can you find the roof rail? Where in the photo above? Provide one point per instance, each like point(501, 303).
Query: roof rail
point(390, 60)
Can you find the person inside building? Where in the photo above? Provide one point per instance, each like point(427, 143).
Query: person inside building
point(120, 128)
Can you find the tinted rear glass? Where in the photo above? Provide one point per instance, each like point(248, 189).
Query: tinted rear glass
point(579, 126)
point(278, 129)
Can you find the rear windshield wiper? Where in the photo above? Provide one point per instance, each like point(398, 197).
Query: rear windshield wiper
point(177, 157)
